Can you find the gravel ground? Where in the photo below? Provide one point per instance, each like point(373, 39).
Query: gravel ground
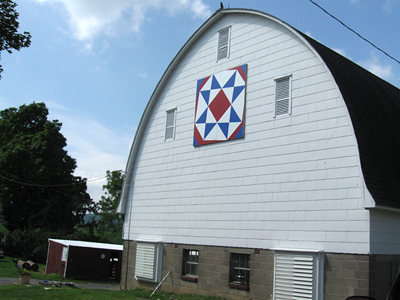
point(105, 286)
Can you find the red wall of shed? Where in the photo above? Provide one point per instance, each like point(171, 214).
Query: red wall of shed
point(54, 256)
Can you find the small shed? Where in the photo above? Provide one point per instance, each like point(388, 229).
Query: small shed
point(84, 260)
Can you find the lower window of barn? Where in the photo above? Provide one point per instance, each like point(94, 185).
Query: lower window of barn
point(298, 275)
point(239, 274)
point(190, 265)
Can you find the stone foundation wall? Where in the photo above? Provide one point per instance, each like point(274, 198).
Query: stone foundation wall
point(344, 274)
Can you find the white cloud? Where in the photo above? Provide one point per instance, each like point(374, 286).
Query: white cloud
point(340, 51)
point(309, 34)
point(374, 65)
point(388, 6)
point(142, 75)
point(89, 18)
point(106, 46)
point(95, 147)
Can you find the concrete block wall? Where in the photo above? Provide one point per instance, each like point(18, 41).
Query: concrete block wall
point(344, 274)
point(363, 275)
point(128, 265)
point(213, 272)
point(383, 271)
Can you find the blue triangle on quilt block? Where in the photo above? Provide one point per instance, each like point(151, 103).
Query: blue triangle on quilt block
point(234, 117)
point(200, 82)
point(224, 128)
point(236, 92)
point(206, 95)
point(215, 84)
point(202, 118)
point(244, 68)
point(209, 127)
point(231, 81)
point(239, 134)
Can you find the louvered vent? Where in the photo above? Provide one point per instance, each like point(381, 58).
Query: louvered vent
point(145, 256)
point(223, 43)
point(282, 102)
point(170, 125)
point(294, 277)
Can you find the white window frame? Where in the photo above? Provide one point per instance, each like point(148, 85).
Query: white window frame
point(148, 261)
point(280, 99)
point(226, 44)
point(170, 124)
point(298, 275)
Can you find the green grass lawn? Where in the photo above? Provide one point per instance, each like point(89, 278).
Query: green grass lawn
point(19, 291)
point(8, 270)
point(22, 291)
point(38, 292)
point(47, 292)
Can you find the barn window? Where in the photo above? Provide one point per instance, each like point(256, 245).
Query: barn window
point(283, 95)
point(170, 124)
point(190, 265)
point(148, 261)
point(298, 275)
point(223, 43)
point(239, 273)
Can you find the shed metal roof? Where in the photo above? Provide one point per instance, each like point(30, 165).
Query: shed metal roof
point(88, 244)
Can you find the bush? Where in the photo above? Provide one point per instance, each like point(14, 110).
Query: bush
point(8, 243)
point(28, 244)
point(39, 254)
point(2, 231)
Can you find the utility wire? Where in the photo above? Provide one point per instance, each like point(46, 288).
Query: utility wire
point(52, 185)
point(372, 44)
point(49, 186)
point(40, 185)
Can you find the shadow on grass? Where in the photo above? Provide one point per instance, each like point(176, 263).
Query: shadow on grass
point(39, 292)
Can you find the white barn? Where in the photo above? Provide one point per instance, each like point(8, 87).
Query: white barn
point(265, 166)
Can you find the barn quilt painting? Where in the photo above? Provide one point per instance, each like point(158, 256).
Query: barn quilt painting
point(220, 104)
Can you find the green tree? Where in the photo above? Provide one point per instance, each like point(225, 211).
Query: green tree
point(37, 186)
point(9, 36)
point(110, 223)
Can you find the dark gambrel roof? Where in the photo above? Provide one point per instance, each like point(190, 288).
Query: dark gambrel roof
point(374, 107)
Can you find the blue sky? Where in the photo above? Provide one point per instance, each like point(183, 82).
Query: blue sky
point(95, 63)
